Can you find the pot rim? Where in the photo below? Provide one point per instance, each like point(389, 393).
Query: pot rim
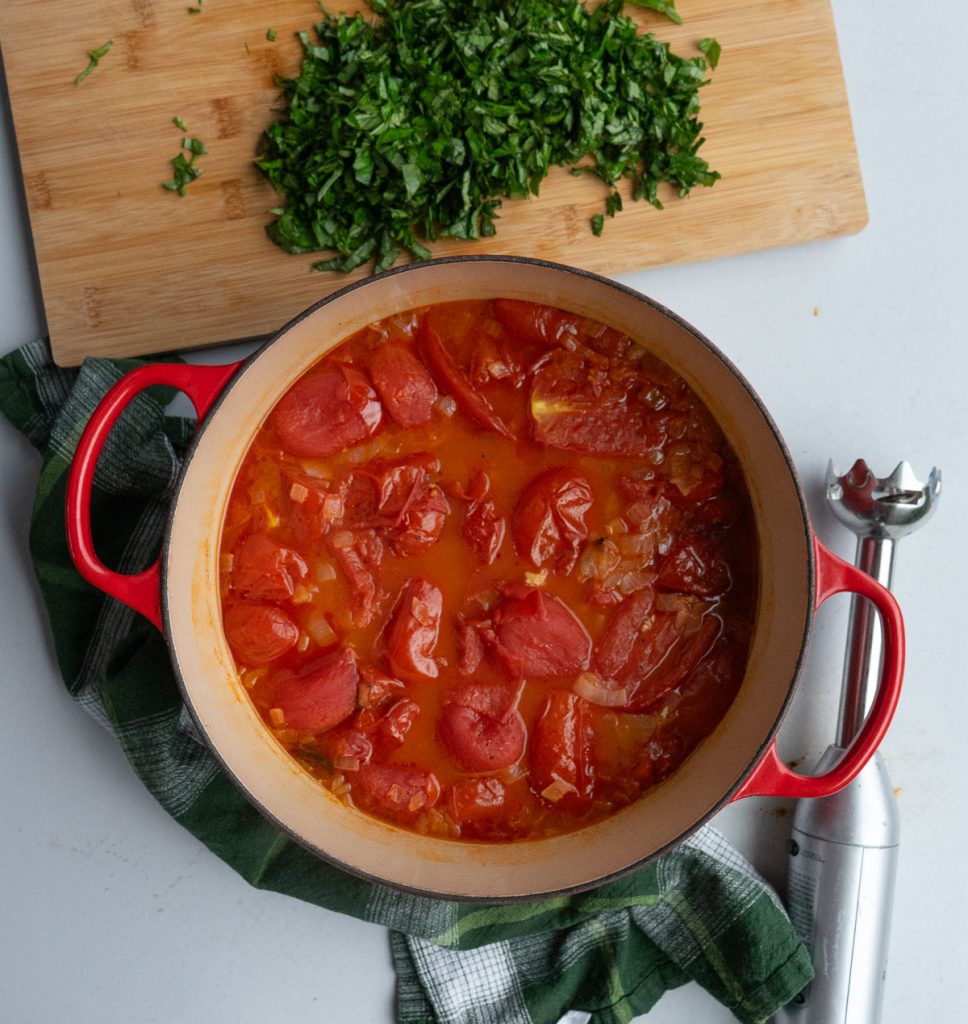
point(810, 577)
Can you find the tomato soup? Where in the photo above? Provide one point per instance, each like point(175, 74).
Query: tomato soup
point(488, 571)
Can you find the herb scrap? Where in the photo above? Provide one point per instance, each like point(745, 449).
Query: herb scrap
point(186, 170)
point(666, 7)
point(271, 35)
point(415, 125)
point(94, 58)
point(712, 50)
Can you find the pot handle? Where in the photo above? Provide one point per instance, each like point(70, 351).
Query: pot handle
point(140, 591)
point(771, 777)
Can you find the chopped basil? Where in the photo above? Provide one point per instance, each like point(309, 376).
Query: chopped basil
point(666, 7)
point(712, 50)
point(179, 123)
point(185, 168)
point(415, 125)
point(271, 35)
point(94, 58)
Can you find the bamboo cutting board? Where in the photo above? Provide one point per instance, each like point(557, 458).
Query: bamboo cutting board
point(129, 268)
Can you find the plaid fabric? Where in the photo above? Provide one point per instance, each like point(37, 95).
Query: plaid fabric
point(700, 914)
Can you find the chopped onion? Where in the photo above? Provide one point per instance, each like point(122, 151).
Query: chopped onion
point(299, 493)
point(316, 470)
point(536, 579)
point(363, 697)
point(606, 693)
point(302, 644)
point(447, 404)
point(346, 764)
point(557, 789)
point(320, 630)
point(617, 525)
point(639, 513)
point(598, 560)
point(332, 507)
point(498, 370)
point(226, 562)
point(343, 539)
point(417, 801)
point(324, 572)
point(277, 716)
point(302, 595)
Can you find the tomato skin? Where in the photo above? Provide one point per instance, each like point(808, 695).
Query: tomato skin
point(411, 636)
point(562, 749)
point(694, 565)
point(483, 528)
point(481, 728)
point(397, 720)
point(265, 570)
point(405, 385)
point(539, 637)
point(345, 741)
point(392, 788)
point(548, 521)
point(320, 695)
point(578, 406)
point(259, 633)
point(327, 411)
point(450, 376)
point(360, 562)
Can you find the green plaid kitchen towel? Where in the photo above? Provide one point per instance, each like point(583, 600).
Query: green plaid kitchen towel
point(700, 914)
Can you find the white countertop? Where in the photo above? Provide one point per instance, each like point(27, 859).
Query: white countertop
point(112, 913)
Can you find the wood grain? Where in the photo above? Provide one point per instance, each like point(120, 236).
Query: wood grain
point(128, 268)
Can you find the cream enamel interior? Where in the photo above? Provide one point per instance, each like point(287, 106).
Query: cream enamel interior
point(302, 806)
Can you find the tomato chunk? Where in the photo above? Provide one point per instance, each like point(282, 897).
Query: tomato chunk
point(562, 765)
point(581, 407)
point(473, 800)
point(622, 632)
point(398, 791)
point(539, 637)
point(483, 528)
point(397, 720)
point(321, 695)
point(694, 565)
point(359, 556)
point(405, 385)
point(481, 728)
point(265, 570)
point(548, 521)
point(532, 321)
point(680, 661)
point(327, 411)
point(258, 633)
point(450, 376)
point(412, 634)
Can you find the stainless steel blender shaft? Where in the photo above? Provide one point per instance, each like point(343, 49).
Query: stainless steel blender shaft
point(843, 849)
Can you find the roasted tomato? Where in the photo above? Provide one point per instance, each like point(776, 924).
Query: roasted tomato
point(539, 637)
point(326, 412)
point(320, 695)
point(259, 633)
point(265, 570)
point(405, 385)
point(397, 720)
point(359, 556)
point(548, 521)
point(481, 728)
point(531, 321)
point(411, 635)
point(397, 791)
point(562, 765)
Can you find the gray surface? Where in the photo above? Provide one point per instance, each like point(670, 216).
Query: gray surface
point(111, 913)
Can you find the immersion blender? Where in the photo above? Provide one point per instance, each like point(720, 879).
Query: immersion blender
point(843, 850)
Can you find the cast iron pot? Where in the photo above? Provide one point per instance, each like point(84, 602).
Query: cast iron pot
point(180, 594)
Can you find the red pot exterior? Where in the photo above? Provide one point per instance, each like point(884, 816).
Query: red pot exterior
point(738, 759)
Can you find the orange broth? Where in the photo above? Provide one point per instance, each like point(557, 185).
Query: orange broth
point(553, 671)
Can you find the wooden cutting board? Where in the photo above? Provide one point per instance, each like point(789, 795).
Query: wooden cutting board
point(128, 268)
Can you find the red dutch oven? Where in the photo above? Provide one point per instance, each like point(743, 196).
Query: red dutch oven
point(180, 594)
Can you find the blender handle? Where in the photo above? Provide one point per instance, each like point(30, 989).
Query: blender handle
point(770, 776)
point(140, 591)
